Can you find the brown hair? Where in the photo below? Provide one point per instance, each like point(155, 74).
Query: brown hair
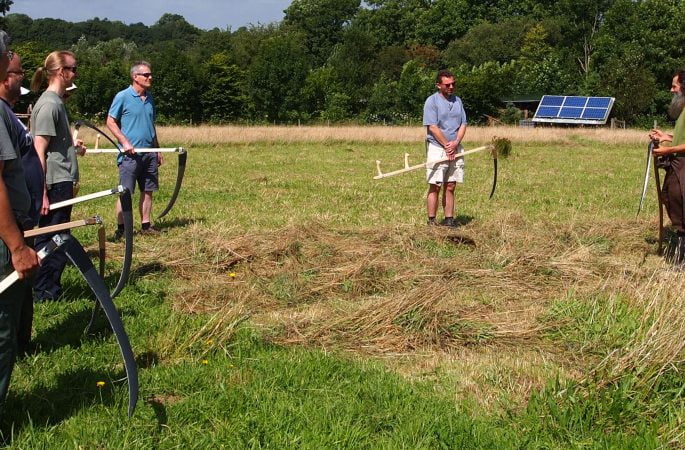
point(681, 78)
point(53, 62)
point(443, 74)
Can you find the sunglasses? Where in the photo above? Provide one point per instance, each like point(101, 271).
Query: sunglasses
point(146, 74)
point(71, 68)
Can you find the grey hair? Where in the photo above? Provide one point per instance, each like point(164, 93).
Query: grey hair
point(4, 41)
point(137, 65)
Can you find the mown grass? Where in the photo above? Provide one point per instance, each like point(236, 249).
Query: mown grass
point(292, 301)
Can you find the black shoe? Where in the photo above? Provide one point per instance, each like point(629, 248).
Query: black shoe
point(118, 235)
point(448, 222)
point(431, 222)
point(150, 231)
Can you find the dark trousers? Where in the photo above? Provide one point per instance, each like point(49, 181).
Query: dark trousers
point(10, 302)
point(46, 283)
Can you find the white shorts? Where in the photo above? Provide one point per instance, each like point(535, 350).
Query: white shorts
point(449, 171)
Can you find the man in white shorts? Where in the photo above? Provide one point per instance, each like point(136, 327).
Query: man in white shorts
point(445, 122)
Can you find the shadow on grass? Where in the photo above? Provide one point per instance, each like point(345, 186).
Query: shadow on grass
point(44, 406)
point(462, 220)
point(178, 222)
point(68, 332)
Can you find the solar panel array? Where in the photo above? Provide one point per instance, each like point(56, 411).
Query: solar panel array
point(574, 109)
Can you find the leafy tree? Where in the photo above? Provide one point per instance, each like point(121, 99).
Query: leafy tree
point(500, 42)
point(104, 70)
point(322, 22)
point(5, 6)
point(223, 99)
point(382, 105)
point(415, 84)
point(177, 86)
point(354, 63)
point(276, 77)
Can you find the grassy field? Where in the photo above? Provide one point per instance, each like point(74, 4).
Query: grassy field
point(292, 301)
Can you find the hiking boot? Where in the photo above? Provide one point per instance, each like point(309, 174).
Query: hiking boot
point(448, 222)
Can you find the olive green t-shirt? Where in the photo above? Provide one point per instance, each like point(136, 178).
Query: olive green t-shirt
point(679, 130)
point(13, 170)
point(49, 118)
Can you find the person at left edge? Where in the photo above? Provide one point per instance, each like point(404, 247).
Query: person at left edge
point(14, 253)
point(57, 154)
point(10, 91)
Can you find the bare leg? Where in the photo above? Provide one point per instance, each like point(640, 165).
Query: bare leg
point(448, 199)
point(120, 215)
point(432, 199)
point(145, 206)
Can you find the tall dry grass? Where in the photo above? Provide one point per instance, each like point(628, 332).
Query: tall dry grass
point(190, 136)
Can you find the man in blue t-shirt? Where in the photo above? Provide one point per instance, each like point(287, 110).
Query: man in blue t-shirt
point(131, 119)
point(445, 122)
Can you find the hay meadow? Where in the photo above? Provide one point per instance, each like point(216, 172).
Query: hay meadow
point(293, 302)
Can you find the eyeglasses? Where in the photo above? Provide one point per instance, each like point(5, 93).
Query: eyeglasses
point(21, 73)
point(146, 74)
point(448, 84)
point(72, 68)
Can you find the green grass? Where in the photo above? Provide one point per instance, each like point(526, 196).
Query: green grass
point(242, 387)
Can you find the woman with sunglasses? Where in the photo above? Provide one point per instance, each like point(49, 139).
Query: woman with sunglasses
point(57, 153)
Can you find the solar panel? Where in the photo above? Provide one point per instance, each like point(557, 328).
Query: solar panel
point(575, 101)
point(574, 109)
point(552, 100)
point(598, 102)
point(594, 113)
point(570, 113)
point(548, 111)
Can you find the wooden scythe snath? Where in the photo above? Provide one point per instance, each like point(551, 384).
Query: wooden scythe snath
point(499, 146)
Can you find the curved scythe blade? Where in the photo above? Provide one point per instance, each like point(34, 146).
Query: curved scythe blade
point(93, 127)
point(494, 179)
point(182, 158)
point(127, 213)
point(78, 256)
point(650, 149)
point(657, 182)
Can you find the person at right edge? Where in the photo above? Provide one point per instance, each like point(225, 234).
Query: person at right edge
point(445, 122)
point(671, 153)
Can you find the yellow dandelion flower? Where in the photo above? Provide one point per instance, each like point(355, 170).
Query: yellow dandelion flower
point(100, 384)
point(204, 361)
point(232, 274)
point(210, 342)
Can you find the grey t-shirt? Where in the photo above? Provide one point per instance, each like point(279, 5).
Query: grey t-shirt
point(13, 170)
point(49, 118)
point(447, 114)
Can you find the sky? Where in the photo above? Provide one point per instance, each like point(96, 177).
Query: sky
point(205, 14)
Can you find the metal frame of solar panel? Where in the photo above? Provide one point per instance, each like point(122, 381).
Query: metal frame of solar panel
point(574, 109)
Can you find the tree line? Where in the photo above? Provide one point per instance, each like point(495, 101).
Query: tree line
point(375, 61)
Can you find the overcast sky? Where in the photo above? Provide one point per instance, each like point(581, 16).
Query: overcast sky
point(205, 14)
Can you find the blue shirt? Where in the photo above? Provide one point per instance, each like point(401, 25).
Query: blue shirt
point(447, 114)
point(135, 117)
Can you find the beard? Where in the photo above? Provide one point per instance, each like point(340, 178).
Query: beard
point(676, 106)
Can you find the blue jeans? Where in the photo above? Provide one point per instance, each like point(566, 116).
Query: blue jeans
point(47, 284)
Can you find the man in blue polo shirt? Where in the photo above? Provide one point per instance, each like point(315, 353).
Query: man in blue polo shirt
point(445, 122)
point(131, 119)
